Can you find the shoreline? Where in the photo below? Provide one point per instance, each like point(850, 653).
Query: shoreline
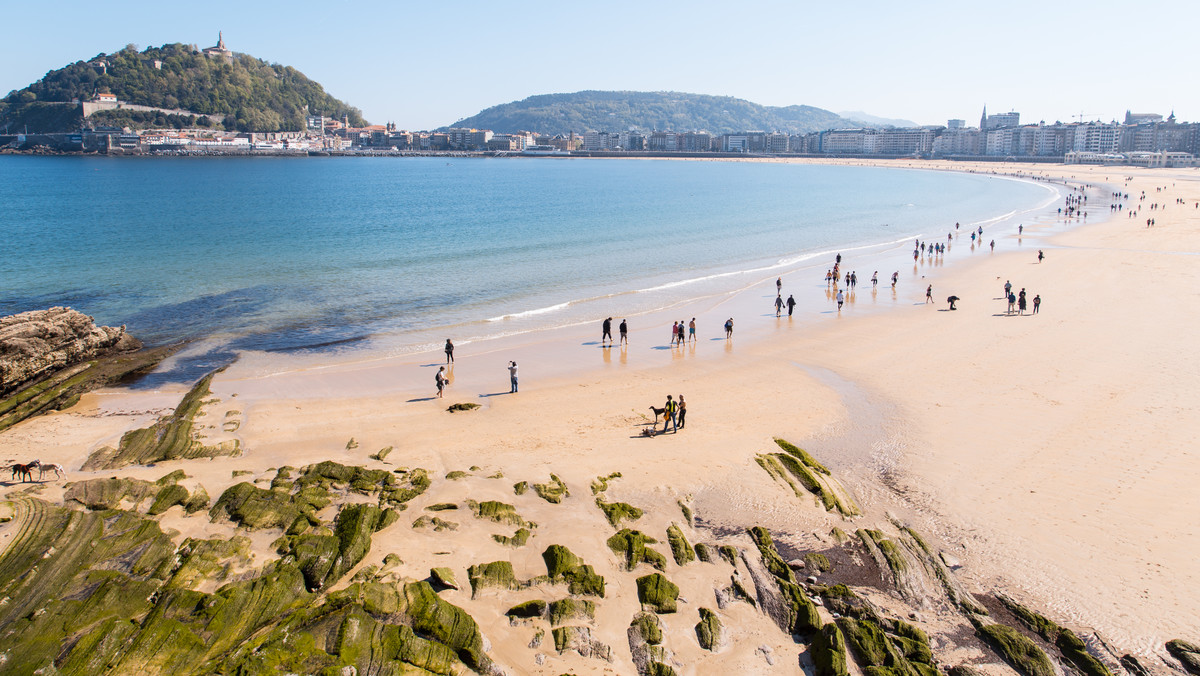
point(1019, 443)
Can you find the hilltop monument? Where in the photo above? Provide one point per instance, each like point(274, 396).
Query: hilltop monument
point(219, 51)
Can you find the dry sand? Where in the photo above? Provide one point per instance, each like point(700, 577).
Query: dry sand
point(1053, 455)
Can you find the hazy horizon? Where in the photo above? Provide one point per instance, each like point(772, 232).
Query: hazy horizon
point(423, 66)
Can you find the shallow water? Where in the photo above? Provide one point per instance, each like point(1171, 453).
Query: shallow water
point(285, 254)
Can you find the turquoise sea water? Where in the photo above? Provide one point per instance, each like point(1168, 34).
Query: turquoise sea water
point(308, 253)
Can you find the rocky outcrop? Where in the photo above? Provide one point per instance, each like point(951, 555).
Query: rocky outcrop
point(36, 343)
point(48, 358)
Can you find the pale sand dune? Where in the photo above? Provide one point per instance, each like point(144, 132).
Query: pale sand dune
point(1054, 455)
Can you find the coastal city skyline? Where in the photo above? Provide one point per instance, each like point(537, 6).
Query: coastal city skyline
point(954, 59)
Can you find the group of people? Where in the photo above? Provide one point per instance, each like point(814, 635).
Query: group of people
point(442, 378)
point(677, 337)
point(1017, 301)
point(606, 332)
point(674, 413)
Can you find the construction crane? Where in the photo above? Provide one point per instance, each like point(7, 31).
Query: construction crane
point(1081, 115)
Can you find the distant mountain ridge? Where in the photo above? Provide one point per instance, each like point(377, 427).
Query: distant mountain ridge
point(230, 91)
point(875, 120)
point(647, 111)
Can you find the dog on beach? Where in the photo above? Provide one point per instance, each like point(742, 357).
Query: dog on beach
point(43, 470)
point(25, 471)
point(649, 432)
point(657, 412)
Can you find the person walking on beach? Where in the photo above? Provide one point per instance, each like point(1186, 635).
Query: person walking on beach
point(1021, 229)
point(729, 327)
point(449, 351)
point(779, 286)
point(828, 277)
point(1037, 301)
point(875, 279)
point(778, 305)
point(838, 260)
point(1041, 255)
point(512, 376)
point(993, 245)
point(674, 333)
point(440, 380)
point(669, 410)
point(624, 330)
point(841, 298)
point(682, 411)
point(791, 304)
point(606, 331)
point(692, 330)
point(853, 279)
point(1012, 300)
point(1007, 288)
point(1021, 303)
point(679, 333)
point(929, 294)
point(895, 276)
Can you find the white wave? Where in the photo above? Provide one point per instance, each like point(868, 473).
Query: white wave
point(532, 313)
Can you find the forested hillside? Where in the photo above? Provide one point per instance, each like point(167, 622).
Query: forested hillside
point(242, 93)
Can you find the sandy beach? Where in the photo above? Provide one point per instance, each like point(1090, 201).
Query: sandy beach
point(1051, 455)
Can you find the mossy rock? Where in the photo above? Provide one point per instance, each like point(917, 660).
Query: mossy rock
point(391, 561)
point(729, 553)
point(494, 575)
point(382, 455)
point(568, 609)
point(828, 651)
point(660, 669)
point(446, 623)
point(601, 483)
point(1069, 645)
point(770, 556)
point(1187, 653)
point(439, 524)
point(871, 645)
point(1016, 649)
point(632, 545)
point(529, 609)
point(649, 627)
point(681, 549)
point(552, 492)
point(443, 577)
point(814, 561)
point(499, 512)
point(564, 566)
point(171, 478)
point(315, 557)
point(657, 593)
point(521, 487)
point(168, 496)
point(709, 631)
point(839, 536)
point(801, 455)
point(254, 507)
point(205, 560)
point(465, 406)
point(688, 517)
point(705, 552)
point(457, 474)
point(580, 640)
point(517, 539)
point(616, 512)
point(441, 507)
point(172, 437)
point(198, 501)
point(412, 483)
point(802, 617)
point(102, 494)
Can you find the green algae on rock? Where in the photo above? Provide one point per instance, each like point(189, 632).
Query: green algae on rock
point(616, 512)
point(382, 454)
point(681, 549)
point(1071, 646)
point(552, 492)
point(441, 506)
point(580, 640)
point(569, 609)
point(443, 577)
point(439, 524)
point(564, 566)
point(801, 455)
point(657, 593)
point(1016, 649)
point(109, 493)
point(687, 513)
point(828, 650)
point(494, 575)
point(770, 556)
point(709, 631)
point(705, 552)
point(817, 562)
point(1187, 653)
point(521, 487)
point(601, 482)
point(632, 544)
point(167, 497)
point(170, 438)
point(499, 512)
point(467, 406)
point(813, 479)
point(517, 539)
point(729, 553)
point(529, 609)
point(457, 474)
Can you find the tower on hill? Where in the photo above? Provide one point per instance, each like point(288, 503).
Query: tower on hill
point(220, 50)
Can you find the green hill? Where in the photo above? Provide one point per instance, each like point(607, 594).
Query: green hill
point(239, 93)
point(647, 111)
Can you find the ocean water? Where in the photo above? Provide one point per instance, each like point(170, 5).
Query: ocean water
point(295, 254)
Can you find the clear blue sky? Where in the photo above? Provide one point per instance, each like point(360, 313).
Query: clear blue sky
point(424, 65)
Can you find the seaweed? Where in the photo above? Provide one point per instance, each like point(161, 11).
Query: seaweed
point(632, 544)
point(554, 491)
point(657, 593)
point(1016, 649)
point(616, 512)
point(709, 631)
